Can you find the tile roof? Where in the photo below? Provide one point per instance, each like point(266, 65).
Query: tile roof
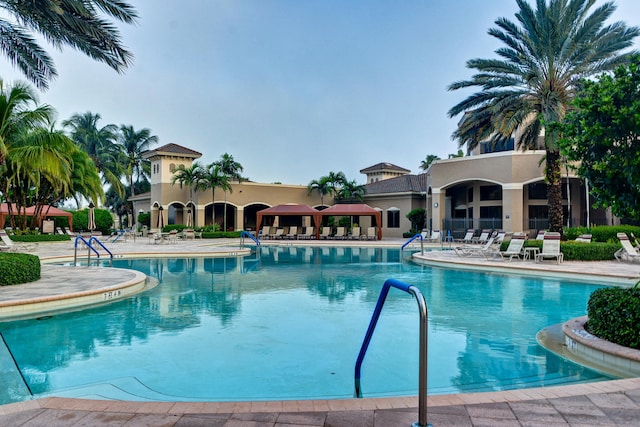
point(399, 184)
point(384, 166)
point(174, 149)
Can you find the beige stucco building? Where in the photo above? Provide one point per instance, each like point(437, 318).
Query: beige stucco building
point(498, 190)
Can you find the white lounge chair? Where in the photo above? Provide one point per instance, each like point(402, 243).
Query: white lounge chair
point(628, 251)
point(308, 233)
point(468, 238)
point(514, 250)
point(340, 233)
point(293, 232)
point(584, 238)
point(540, 235)
point(550, 248)
point(436, 237)
point(483, 237)
point(326, 233)
point(10, 246)
point(471, 250)
point(355, 233)
point(264, 233)
point(279, 233)
point(371, 233)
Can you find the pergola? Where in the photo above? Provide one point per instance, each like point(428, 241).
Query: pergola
point(30, 211)
point(290, 210)
point(355, 209)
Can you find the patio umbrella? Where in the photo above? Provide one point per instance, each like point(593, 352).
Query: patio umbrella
point(160, 217)
point(91, 223)
point(189, 219)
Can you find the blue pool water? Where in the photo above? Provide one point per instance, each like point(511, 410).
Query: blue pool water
point(289, 325)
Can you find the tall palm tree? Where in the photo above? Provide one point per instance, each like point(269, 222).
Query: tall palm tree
point(79, 24)
point(232, 169)
point(100, 143)
point(188, 176)
point(19, 111)
point(535, 79)
point(424, 165)
point(134, 144)
point(211, 178)
point(322, 186)
point(43, 167)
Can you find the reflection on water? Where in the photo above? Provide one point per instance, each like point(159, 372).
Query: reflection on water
point(288, 322)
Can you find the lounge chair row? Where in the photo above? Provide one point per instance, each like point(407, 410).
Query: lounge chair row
point(491, 248)
point(273, 233)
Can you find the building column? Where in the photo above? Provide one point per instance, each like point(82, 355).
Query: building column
point(438, 200)
point(512, 208)
point(199, 222)
point(239, 218)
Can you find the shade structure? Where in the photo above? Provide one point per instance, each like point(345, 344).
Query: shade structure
point(47, 211)
point(289, 210)
point(355, 209)
point(91, 220)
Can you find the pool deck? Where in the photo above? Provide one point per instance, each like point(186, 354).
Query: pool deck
point(610, 403)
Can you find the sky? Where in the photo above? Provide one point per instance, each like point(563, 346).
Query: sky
point(292, 89)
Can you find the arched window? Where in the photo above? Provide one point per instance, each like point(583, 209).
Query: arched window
point(172, 167)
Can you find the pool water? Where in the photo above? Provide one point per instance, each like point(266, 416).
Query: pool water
point(288, 324)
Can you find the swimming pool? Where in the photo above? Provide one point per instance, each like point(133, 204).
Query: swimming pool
point(288, 325)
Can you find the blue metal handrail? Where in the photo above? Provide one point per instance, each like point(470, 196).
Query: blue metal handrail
point(422, 381)
point(89, 249)
point(244, 234)
point(419, 235)
point(95, 239)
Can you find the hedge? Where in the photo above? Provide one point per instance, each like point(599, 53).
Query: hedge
point(16, 268)
point(40, 238)
point(576, 251)
point(614, 315)
point(601, 233)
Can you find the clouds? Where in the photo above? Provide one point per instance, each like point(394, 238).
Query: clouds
point(292, 89)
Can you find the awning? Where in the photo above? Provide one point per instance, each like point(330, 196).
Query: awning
point(290, 210)
point(47, 211)
point(355, 209)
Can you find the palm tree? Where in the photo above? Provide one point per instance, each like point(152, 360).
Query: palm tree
point(211, 178)
point(460, 153)
point(322, 186)
point(100, 144)
point(351, 190)
point(134, 144)
point(188, 176)
point(19, 111)
point(79, 24)
point(536, 78)
point(42, 168)
point(232, 169)
point(424, 165)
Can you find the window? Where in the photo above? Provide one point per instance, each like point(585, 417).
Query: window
point(393, 218)
point(490, 211)
point(537, 191)
point(172, 167)
point(490, 192)
point(470, 195)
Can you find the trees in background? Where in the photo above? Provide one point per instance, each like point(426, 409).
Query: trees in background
point(79, 24)
point(602, 136)
point(336, 184)
point(424, 165)
point(535, 78)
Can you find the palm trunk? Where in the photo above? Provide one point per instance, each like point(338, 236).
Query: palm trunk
point(554, 194)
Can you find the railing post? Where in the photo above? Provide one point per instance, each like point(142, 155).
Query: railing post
point(422, 358)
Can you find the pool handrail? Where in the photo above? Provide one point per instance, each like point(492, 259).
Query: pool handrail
point(412, 239)
point(422, 359)
point(89, 249)
point(15, 363)
point(95, 239)
point(244, 234)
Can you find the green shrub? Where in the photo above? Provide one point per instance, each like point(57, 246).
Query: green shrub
point(614, 315)
point(573, 251)
point(145, 219)
point(16, 268)
point(31, 238)
point(220, 234)
point(602, 233)
point(104, 220)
